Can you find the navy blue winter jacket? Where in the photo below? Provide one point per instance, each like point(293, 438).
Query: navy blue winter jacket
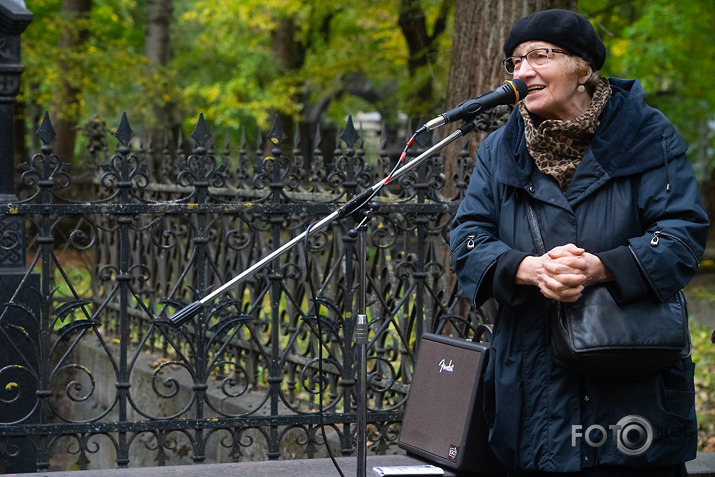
point(634, 183)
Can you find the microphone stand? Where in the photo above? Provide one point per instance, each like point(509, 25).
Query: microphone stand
point(362, 333)
point(354, 205)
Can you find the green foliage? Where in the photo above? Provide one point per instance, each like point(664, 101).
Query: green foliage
point(337, 42)
point(110, 69)
point(224, 59)
point(703, 354)
point(226, 66)
point(670, 47)
point(345, 56)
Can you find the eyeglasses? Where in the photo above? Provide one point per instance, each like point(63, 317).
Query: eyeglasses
point(537, 57)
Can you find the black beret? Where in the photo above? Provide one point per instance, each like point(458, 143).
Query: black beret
point(563, 28)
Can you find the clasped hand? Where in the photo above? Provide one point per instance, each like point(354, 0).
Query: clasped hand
point(563, 272)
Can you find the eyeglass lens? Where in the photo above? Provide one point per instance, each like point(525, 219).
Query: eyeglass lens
point(537, 57)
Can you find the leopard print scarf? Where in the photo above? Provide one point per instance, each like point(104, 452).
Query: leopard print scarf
point(558, 146)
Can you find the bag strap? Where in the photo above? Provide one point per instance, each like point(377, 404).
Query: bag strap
point(534, 227)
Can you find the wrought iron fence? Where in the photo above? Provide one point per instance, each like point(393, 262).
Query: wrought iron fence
point(97, 374)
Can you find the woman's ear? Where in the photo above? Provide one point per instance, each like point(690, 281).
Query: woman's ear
point(583, 79)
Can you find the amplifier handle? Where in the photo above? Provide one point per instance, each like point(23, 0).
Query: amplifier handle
point(483, 330)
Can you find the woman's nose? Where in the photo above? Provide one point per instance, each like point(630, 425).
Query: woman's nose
point(523, 70)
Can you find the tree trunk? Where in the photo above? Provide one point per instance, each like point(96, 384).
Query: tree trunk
point(21, 153)
point(289, 52)
point(158, 28)
point(422, 50)
point(67, 99)
point(157, 41)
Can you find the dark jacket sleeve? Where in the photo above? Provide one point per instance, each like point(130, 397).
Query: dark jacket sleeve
point(504, 284)
point(629, 283)
point(474, 245)
point(675, 222)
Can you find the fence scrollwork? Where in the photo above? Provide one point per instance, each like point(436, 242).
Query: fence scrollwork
point(104, 372)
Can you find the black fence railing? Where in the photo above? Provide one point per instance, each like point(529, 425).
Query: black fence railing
point(94, 375)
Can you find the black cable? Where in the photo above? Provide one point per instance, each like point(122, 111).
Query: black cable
point(401, 159)
point(316, 309)
point(388, 178)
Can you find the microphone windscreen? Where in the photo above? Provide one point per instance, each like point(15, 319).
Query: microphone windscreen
point(520, 88)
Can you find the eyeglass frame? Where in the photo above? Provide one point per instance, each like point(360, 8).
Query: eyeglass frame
point(525, 57)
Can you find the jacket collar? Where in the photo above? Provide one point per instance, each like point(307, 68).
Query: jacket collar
point(632, 138)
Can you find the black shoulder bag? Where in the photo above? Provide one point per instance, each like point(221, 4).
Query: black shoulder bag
point(598, 337)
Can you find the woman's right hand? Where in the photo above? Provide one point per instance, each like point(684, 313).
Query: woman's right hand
point(562, 273)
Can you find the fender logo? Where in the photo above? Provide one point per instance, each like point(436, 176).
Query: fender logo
point(443, 366)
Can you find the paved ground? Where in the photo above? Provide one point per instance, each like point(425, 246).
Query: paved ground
point(703, 466)
point(281, 468)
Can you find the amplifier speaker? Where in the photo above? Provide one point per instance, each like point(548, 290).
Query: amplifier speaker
point(444, 420)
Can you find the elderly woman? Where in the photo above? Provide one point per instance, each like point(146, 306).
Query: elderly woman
point(604, 172)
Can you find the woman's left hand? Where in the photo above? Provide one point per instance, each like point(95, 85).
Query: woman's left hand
point(568, 270)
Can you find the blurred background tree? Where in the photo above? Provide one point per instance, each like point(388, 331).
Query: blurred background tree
point(241, 62)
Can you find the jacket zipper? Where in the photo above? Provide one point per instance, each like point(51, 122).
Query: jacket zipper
point(656, 240)
point(470, 245)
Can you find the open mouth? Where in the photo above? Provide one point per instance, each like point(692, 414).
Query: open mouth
point(536, 89)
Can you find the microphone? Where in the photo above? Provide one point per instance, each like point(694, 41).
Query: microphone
point(510, 92)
